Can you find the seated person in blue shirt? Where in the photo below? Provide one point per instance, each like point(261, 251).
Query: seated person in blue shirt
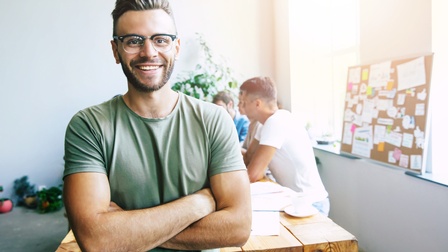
point(225, 100)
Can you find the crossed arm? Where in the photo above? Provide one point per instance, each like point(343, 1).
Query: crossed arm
point(210, 218)
point(257, 158)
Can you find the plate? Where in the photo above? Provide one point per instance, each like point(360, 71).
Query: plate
point(302, 211)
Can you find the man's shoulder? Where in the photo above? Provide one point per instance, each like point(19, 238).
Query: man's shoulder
point(101, 111)
point(199, 105)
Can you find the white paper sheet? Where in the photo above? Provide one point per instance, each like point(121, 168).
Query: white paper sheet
point(268, 196)
point(265, 223)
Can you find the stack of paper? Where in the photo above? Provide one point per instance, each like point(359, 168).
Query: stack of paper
point(268, 196)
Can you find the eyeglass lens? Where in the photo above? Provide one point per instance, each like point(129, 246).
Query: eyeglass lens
point(134, 44)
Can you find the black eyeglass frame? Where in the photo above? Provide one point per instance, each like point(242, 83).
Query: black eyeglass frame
point(121, 38)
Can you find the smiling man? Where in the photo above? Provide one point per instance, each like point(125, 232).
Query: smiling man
point(156, 167)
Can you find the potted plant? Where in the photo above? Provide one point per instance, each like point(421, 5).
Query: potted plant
point(49, 200)
point(5, 203)
point(25, 192)
point(208, 78)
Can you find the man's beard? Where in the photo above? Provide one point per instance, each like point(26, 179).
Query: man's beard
point(140, 86)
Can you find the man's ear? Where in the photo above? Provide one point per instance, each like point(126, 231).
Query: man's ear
point(115, 51)
point(177, 49)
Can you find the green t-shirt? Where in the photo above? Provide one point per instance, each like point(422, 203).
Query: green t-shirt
point(152, 161)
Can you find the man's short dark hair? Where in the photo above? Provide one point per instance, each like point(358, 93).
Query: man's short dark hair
point(122, 6)
point(224, 96)
point(260, 87)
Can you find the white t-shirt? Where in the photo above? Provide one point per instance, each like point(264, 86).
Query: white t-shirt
point(293, 164)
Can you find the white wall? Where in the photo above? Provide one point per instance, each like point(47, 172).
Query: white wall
point(56, 59)
point(439, 86)
point(240, 31)
point(384, 208)
point(394, 29)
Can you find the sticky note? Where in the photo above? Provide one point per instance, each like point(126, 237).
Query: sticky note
point(365, 74)
point(369, 90)
point(390, 85)
point(381, 146)
point(353, 128)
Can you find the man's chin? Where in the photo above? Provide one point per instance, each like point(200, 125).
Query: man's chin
point(147, 87)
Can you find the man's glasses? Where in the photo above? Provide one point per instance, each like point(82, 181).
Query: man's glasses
point(133, 43)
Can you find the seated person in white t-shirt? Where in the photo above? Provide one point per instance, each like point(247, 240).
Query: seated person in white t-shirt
point(282, 143)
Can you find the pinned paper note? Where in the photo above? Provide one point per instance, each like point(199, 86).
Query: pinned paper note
point(416, 162)
point(363, 141)
point(381, 146)
point(401, 99)
point(420, 109)
point(397, 154)
point(422, 95)
point(419, 138)
point(379, 74)
point(408, 122)
point(411, 74)
point(408, 140)
point(365, 74)
point(354, 75)
point(404, 161)
point(379, 134)
point(391, 157)
point(348, 133)
point(390, 85)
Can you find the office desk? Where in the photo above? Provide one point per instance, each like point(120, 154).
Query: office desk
point(316, 233)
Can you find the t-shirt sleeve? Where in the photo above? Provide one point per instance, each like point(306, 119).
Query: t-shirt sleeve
point(82, 148)
point(224, 145)
point(272, 133)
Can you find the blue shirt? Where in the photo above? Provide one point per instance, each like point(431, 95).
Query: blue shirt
point(242, 125)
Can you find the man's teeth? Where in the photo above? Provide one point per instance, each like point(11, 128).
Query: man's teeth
point(148, 67)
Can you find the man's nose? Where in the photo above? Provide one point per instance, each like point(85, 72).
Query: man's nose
point(148, 49)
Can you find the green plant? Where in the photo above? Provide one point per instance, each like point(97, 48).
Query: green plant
point(49, 200)
point(210, 76)
point(1, 190)
point(23, 189)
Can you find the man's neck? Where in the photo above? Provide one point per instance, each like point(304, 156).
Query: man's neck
point(266, 114)
point(157, 104)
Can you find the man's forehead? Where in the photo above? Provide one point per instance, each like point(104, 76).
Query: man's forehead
point(157, 20)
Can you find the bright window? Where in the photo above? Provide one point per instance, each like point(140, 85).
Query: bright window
point(324, 43)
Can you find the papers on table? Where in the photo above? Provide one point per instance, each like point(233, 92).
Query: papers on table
point(268, 199)
point(265, 223)
point(268, 196)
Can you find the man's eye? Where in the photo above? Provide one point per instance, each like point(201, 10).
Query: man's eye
point(161, 40)
point(134, 41)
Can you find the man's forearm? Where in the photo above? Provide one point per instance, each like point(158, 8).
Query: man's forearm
point(230, 225)
point(224, 228)
point(142, 229)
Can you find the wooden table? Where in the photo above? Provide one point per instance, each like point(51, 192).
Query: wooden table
point(316, 233)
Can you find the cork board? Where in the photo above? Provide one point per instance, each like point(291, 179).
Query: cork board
point(386, 112)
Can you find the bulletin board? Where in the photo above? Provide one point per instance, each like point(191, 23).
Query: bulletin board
point(386, 112)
